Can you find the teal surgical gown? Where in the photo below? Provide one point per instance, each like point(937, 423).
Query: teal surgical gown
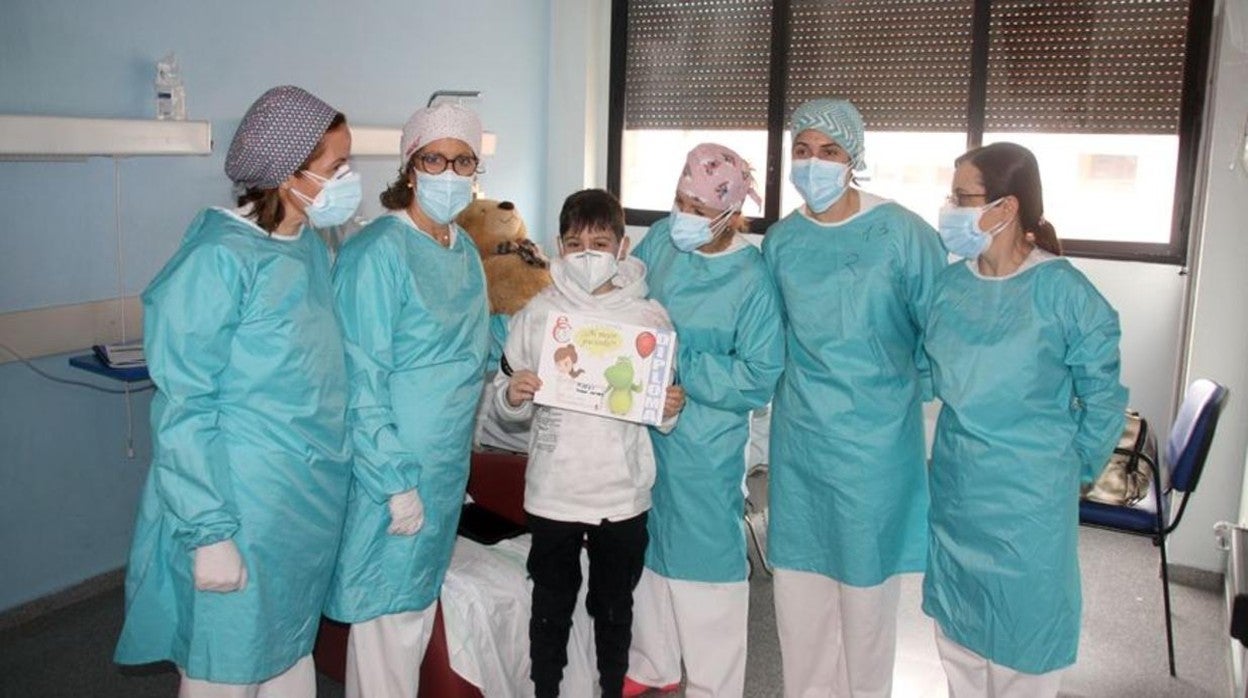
point(1027, 369)
point(848, 479)
point(730, 353)
point(416, 327)
point(498, 339)
point(249, 444)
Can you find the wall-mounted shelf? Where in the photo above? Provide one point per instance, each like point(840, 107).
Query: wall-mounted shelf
point(379, 141)
point(67, 136)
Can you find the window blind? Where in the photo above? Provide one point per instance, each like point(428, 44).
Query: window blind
point(906, 64)
point(1086, 66)
point(1069, 66)
point(697, 65)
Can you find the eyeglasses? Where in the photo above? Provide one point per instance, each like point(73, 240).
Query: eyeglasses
point(436, 163)
point(961, 200)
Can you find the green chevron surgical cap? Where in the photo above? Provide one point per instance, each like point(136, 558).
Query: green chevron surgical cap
point(837, 119)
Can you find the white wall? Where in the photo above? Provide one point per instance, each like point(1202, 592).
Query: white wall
point(1219, 332)
point(576, 140)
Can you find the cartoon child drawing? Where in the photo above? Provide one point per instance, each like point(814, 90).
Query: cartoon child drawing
point(565, 363)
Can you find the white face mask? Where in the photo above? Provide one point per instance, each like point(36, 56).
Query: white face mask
point(591, 268)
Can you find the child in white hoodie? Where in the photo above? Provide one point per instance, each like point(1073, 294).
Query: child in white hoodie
point(589, 477)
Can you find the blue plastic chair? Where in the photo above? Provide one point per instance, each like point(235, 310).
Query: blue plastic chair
point(1186, 450)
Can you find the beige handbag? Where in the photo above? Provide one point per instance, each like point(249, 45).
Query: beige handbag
point(756, 518)
point(1126, 477)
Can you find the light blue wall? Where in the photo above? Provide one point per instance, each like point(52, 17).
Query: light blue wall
point(375, 61)
point(67, 493)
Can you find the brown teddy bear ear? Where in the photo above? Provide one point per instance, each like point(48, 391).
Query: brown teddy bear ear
point(490, 223)
point(473, 220)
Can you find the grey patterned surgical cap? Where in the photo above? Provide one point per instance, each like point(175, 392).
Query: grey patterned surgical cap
point(278, 133)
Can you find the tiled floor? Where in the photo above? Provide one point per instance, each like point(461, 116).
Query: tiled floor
point(1122, 649)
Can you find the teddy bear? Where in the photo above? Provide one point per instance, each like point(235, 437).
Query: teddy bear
point(515, 271)
point(515, 268)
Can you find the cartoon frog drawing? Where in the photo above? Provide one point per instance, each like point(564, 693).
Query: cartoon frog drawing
point(620, 377)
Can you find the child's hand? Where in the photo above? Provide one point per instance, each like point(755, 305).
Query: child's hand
point(521, 387)
point(674, 402)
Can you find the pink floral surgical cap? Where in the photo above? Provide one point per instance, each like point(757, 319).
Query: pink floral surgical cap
point(716, 176)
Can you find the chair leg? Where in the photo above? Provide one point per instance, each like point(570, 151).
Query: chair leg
point(1165, 590)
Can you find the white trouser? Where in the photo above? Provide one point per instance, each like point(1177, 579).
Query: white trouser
point(972, 676)
point(706, 623)
point(299, 681)
point(384, 654)
point(836, 639)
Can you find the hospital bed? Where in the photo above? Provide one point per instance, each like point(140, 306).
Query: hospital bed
point(479, 646)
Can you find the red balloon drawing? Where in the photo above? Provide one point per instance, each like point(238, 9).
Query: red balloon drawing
point(645, 344)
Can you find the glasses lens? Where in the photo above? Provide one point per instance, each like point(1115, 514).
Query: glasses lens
point(465, 165)
point(432, 163)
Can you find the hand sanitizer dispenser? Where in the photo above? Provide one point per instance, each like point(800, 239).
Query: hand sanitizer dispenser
point(170, 93)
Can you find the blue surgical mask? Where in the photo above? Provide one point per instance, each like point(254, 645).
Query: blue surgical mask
point(336, 202)
point(443, 196)
point(959, 229)
point(820, 182)
point(690, 231)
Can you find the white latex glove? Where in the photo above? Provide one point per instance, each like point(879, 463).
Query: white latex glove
point(407, 514)
point(219, 567)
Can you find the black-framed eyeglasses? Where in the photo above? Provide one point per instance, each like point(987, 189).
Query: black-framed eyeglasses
point(436, 163)
point(964, 200)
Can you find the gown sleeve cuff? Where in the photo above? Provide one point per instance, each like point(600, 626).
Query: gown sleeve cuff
point(193, 537)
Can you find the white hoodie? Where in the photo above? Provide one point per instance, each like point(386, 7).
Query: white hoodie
point(582, 467)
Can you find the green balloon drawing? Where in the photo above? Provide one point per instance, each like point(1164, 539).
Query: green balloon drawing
point(620, 377)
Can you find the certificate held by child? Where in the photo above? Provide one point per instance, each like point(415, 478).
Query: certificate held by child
point(612, 369)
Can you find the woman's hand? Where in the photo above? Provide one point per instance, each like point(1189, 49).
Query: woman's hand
point(522, 386)
point(674, 402)
point(219, 567)
point(407, 514)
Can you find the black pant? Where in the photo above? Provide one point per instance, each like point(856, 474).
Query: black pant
point(617, 552)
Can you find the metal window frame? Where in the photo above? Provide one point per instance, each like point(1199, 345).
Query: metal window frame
point(1192, 102)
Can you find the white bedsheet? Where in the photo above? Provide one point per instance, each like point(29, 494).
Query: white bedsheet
point(485, 607)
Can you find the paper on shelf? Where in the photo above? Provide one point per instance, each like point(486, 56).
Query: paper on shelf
point(121, 355)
